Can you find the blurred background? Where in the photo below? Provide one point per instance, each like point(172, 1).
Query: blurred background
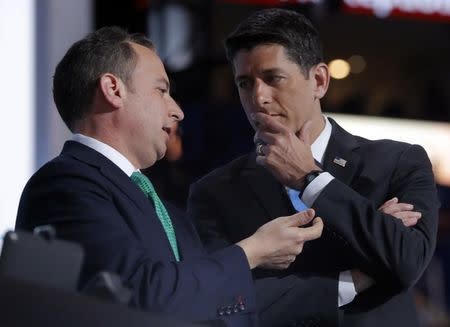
point(389, 59)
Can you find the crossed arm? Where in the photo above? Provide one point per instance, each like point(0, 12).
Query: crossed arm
point(397, 249)
point(402, 211)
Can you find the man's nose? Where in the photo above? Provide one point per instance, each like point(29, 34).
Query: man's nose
point(261, 94)
point(175, 111)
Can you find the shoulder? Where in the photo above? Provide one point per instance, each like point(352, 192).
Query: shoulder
point(64, 178)
point(64, 169)
point(387, 150)
point(357, 141)
point(368, 145)
point(390, 149)
point(382, 144)
point(225, 173)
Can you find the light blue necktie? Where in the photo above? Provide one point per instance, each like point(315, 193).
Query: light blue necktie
point(294, 196)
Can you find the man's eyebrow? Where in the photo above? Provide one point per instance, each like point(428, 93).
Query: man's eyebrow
point(240, 78)
point(164, 81)
point(264, 72)
point(272, 71)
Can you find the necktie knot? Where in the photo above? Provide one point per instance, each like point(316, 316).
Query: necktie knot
point(146, 186)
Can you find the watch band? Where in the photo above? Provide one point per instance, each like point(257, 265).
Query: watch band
point(309, 177)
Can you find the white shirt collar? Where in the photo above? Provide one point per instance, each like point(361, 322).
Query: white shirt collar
point(109, 152)
point(320, 144)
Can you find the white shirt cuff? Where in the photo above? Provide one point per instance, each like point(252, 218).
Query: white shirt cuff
point(313, 190)
point(346, 288)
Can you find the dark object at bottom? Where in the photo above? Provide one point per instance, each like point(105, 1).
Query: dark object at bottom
point(24, 304)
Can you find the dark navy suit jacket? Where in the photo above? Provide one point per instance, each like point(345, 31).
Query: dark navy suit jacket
point(356, 234)
point(91, 201)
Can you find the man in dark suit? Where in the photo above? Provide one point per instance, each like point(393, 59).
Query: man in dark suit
point(306, 159)
point(112, 91)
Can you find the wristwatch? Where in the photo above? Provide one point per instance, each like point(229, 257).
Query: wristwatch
point(309, 177)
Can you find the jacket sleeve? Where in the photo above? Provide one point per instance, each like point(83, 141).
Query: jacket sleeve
point(208, 221)
point(204, 287)
point(384, 246)
point(297, 301)
point(280, 300)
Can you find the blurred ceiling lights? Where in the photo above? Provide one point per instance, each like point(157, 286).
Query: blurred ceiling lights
point(340, 68)
point(357, 64)
point(384, 8)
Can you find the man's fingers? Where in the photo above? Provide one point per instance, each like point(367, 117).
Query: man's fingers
point(261, 160)
point(281, 266)
point(266, 122)
point(404, 206)
point(408, 215)
point(410, 222)
point(312, 232)
point(301, 218)
point(414, 214)
point(264, 137)
point(397, 207)
point(388, 203)
point(284, 259)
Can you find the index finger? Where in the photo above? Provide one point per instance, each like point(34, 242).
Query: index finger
point(301, 218)
point(388, 203)
point(266, 122)
point(313, 232)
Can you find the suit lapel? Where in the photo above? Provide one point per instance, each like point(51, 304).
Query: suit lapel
point(341, 147)
point(109, 170)
point(268, 192)
point(149, 221)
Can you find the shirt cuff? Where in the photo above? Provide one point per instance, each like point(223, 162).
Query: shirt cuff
point(313, 190)
point(346, 288)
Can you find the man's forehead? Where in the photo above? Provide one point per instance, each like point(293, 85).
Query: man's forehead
point(263, 58)
point(149, 58)
point(261, 54)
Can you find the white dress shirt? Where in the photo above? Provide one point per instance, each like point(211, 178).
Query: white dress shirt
point(109, 152)
point(346, 288)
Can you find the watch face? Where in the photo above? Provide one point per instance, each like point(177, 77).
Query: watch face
point(310, 177)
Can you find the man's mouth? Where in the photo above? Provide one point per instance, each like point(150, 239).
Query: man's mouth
point(167, 130)
point(276, 116)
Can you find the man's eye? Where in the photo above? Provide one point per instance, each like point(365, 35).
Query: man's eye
point(162, 90)
point(243, 84)
point(274, 79)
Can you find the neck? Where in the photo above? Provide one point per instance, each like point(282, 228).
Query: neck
point(317, 128)
point(109, 136)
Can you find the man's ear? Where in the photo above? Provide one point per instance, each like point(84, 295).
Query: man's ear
point(113, 90)
point(321, 76)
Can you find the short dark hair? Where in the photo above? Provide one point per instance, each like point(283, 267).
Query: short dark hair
point(107, 50)
point(287, 28)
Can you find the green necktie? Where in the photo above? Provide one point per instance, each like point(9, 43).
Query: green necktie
point(147, 187)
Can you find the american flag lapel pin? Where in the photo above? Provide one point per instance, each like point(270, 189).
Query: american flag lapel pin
point(339, 161)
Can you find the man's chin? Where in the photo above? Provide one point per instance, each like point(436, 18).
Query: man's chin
point(161, 154)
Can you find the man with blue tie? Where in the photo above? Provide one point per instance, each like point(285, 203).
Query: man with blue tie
point(112, 91)
point(304, 158)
